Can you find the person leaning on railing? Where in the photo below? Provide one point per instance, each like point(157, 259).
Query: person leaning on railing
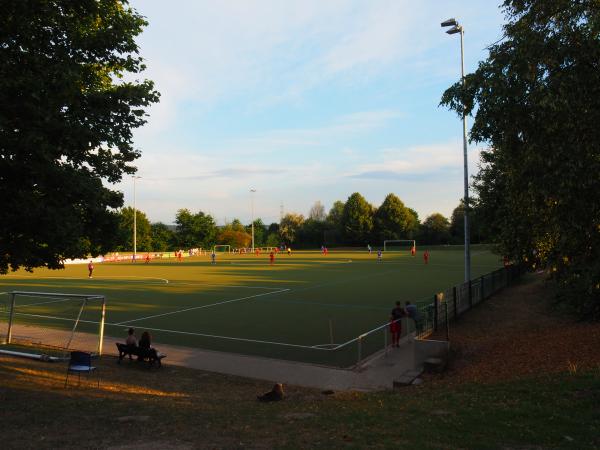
point(413, 313)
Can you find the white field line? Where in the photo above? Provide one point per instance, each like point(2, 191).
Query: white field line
point(202, 306)
point(134, 278)
point(230, 338)
point(189, 333)
point(227, 286)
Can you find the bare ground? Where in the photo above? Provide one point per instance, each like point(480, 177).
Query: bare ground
point(516, 334)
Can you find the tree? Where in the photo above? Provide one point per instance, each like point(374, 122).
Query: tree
point(457, 225)
point(535, 100)
point(195, 230)
point(317, 212)
point(357, 219)
point(289, 227)
point(392, 219)
point(143, 239)
point(237, 239)
point(312, 233)
point(412, 224)
point(334, 231)
point(435, 230)
point(66, 122)
point(260, 232)
point(163, 238)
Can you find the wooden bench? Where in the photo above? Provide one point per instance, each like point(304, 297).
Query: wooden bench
point(150, 355)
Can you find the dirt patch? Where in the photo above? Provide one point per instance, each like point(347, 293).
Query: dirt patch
point(515, 334)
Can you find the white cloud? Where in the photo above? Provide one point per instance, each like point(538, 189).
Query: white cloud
point(422, 159)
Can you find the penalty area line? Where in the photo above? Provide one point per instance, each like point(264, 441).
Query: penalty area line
point(202, 306)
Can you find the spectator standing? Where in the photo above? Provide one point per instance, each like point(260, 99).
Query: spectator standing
point(396, 324)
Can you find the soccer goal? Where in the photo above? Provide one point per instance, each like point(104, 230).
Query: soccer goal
point(222, 248)
point(399, 245)
point(55, 322)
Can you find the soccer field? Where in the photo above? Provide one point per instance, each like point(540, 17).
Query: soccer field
point(294, 309)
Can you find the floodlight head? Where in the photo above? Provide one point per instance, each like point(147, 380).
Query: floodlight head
point(454, 30)
point(449, 23)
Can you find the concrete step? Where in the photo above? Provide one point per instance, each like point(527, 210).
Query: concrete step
point(434, 365)
point(406, 379)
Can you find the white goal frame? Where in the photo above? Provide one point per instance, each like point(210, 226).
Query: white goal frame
point(85, 299)
point(227, 250)
point(392, 241)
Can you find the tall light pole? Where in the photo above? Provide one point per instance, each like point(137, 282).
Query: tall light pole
point(457, 28)
point(252, 191)
point(135, 177)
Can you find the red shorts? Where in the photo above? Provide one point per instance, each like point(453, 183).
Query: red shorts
point(395, 327)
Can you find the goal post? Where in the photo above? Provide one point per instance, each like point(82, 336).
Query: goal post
point(58, 321)
point(399, 245)
point(222, 248)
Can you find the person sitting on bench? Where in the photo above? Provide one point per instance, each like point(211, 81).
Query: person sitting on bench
point(146, 349)
point(131, 340)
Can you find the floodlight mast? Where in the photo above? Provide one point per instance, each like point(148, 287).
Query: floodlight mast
point(458, 28)
point(252, 191)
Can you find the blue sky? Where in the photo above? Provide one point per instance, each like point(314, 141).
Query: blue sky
point(303, 101)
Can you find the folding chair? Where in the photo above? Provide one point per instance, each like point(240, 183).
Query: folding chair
point(80, 362)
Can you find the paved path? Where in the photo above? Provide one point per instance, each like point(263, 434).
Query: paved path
point(376, 374)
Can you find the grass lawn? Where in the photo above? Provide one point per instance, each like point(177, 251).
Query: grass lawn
point(294, 302)
point(177, 408)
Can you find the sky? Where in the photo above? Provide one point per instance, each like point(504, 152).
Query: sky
point(303, 101)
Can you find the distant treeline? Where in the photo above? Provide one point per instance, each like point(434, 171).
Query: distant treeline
point(354, 222)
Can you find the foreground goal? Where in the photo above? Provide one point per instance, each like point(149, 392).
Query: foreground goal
point(62, 322)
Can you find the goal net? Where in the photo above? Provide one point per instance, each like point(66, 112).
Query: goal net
point(55, 322)
point(222, 248)
point(399, 245)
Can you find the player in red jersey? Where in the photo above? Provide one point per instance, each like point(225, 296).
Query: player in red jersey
point(426, 256)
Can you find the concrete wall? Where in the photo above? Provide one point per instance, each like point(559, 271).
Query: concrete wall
point(430, 349)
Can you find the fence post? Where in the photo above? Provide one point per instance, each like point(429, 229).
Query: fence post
point(447, 320)
point(470, 296)
point(359, 350)
point(481, 289)
point(454, 300)
point(385, 346)
point(435, 312)
point(10, 318)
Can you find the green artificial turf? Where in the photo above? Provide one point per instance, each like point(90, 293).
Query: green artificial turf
point(302, 300)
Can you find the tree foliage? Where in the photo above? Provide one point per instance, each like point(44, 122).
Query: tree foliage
point(357, 219)
point(435, 230)
point(66, 121)
point(392, 219)
point(289, 227)
point(125, 232)
point(163, 238)
point(536, 101)
point(317, 212)
point(195, 230)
